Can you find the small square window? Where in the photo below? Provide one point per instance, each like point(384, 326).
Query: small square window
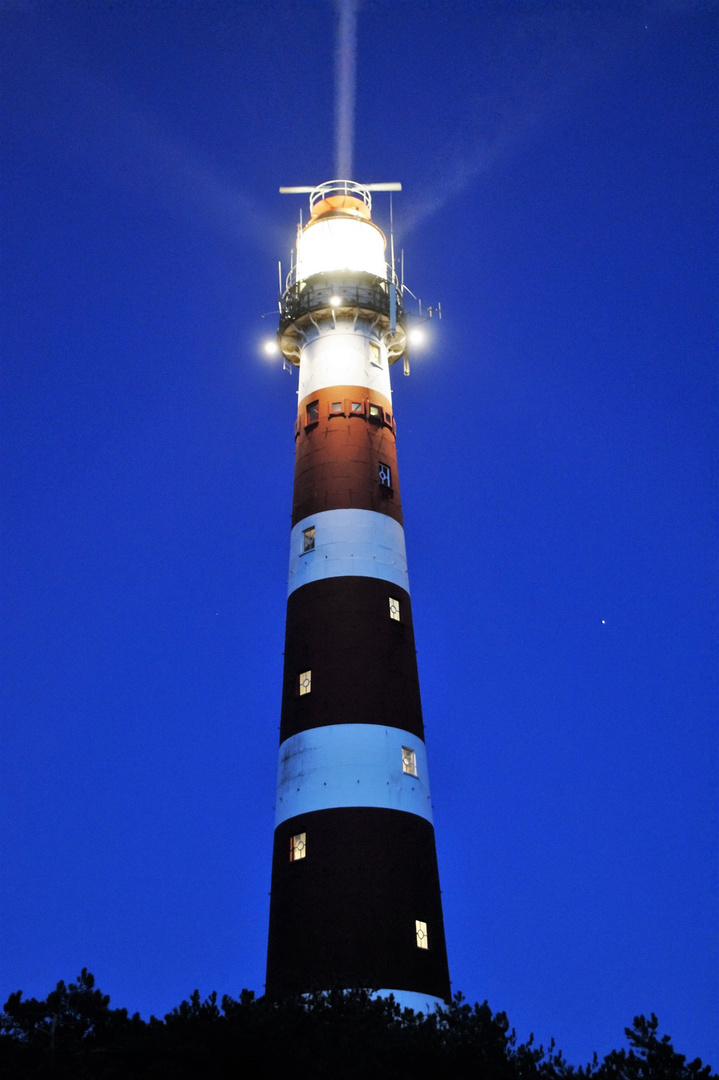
point(298, 846)
point(409, 761)
point(385, 475)
point(305, 682)
point(376, 411)
point(337, 408)
point(375, 357)
point(357, 407)
point(393, 608)
point(313, 412)
point(388, 419)
point(420, 929)
point(308, 539)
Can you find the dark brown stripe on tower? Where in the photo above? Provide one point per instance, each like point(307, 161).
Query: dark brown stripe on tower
point(338, 456)
point(344, 915)
point(348, 395)
point(363, 663)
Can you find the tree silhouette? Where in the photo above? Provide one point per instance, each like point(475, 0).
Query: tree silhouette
point(338, 1035)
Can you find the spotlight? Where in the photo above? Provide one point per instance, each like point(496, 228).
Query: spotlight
point(270, 347)
point(416, 336)
point(335, 300)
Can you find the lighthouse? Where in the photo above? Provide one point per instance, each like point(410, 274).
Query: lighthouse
point(355, 895)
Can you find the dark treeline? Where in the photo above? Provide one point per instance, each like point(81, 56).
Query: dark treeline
point(75, 1034)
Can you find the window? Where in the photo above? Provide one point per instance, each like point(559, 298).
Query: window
point(298, 846)
point(357, 407)
point(308, 539)
point(337, 407)
point(305, 682)
point(385, 474)
point(376, 411)
point(375, 356)
point(394, 608)
point(409, 760)
point(313, 412)
point(420, 929)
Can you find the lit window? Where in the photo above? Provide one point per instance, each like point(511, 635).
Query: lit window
point(385, 475)
point(374, 354)
point(376, 411)
point(421, 932)
point(298, 846)
point(357, 407)
point(409, 760)
point(308, 539)
point(393, 608)
point(313, 411)
point(305, 682)
point(337, 407)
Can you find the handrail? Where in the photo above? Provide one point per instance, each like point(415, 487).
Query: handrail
point(329, 291)
point(341, 187)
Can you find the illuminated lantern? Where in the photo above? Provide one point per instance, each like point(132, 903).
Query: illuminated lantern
point(355, 897)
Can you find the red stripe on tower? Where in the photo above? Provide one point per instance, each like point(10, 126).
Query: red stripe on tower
point(355, 898)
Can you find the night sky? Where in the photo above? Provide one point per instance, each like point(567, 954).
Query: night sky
point(557, 448)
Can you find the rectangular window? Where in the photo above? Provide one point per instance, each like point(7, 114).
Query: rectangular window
point(394, 608)
point(385, 475)
point(409, 761)
point(298, 846)
point(420, 929)
point(357, 407)
point(313, 412)
point(337, 407)
point(375, 357)
point(376, 411)
point(305, 682)
point(308, 539)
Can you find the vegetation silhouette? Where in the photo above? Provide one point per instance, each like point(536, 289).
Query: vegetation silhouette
point(343, 1034)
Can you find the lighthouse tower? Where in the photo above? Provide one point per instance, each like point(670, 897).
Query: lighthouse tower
point(355, 899)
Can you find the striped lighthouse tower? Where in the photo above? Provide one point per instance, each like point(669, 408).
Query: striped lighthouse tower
point(355, 898)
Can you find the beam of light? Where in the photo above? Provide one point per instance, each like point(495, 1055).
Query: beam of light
point(345, 87)
point(136, 148)
point(270, 347)
point(515, 114)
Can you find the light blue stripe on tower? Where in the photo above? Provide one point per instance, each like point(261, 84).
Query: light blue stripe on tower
point(349, 543)
point(412, 999)
point(351, 765)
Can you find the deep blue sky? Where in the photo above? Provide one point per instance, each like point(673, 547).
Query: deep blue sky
point(557, 448)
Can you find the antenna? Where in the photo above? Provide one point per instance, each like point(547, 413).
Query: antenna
point(391, 233)
point(392, 284)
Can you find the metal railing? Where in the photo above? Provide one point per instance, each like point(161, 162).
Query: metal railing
point(338, 289)
point(341, 187)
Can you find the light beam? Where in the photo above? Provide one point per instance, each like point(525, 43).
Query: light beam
point(345, 87)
